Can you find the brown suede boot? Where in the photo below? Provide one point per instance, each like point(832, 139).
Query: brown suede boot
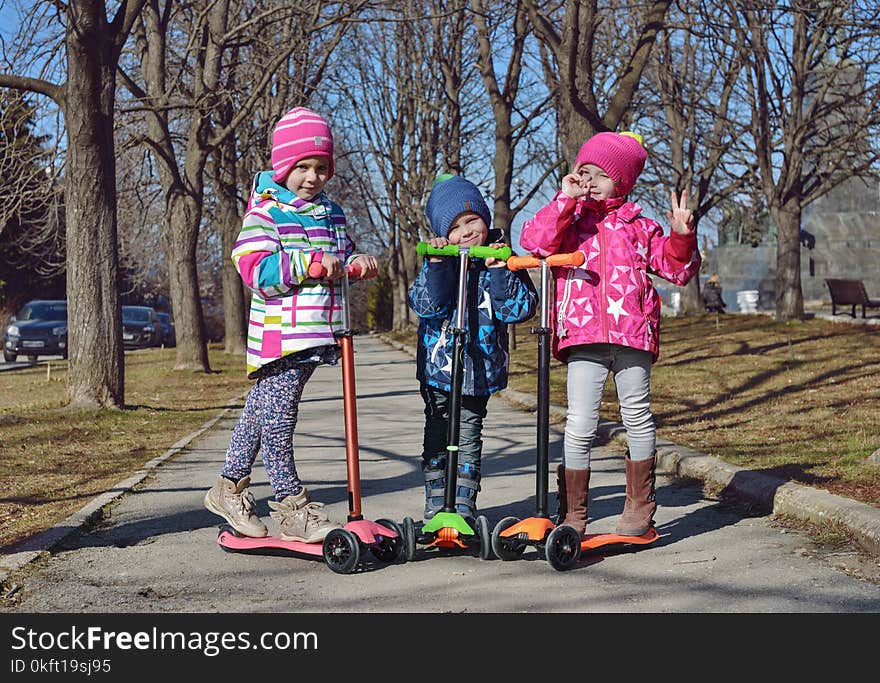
point(640, 506)
point(574, 488)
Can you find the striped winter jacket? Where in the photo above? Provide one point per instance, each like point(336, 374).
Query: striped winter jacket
point(280, 236)
point(496, 297)
point(610, 298)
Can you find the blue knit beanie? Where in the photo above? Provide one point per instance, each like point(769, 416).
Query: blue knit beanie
point(451, 197)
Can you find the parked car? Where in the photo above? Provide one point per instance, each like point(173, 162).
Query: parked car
point(169, 337)
point(38, 329)
point(141, 327)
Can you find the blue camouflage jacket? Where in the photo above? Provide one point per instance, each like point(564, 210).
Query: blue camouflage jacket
point(496, 297)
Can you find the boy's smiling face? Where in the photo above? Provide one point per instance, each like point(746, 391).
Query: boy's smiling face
point(468, 230)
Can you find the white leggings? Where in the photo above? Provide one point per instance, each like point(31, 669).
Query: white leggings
point(588, 368)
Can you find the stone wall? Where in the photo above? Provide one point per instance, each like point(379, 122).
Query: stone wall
point(844, 230)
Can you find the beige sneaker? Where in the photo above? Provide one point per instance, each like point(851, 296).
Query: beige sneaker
point(236, 505)
point(299, 519)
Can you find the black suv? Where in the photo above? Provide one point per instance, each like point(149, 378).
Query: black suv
point(141, 327)
point(169, 337)
point(38, 329)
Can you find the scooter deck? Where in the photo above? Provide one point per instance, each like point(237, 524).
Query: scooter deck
point(247, 544)
point(594, 541)
point(367, 531)
point(533, 528)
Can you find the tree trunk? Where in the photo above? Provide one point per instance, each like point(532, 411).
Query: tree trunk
point(96, 363)
point(789, 295)
point(234, 303)
point(691, 301)
point(181, 232)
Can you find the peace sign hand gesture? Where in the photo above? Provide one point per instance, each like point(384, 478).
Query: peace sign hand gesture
point(681, 219)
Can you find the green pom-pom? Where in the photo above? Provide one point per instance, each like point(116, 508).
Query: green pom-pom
point(443, 176)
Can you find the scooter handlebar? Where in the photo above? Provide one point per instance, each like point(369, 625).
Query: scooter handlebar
point(354, 270)
point(502, 253)
point(572, 260)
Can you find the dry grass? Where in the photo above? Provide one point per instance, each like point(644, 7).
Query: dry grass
point(53, 460)
point(798, 400)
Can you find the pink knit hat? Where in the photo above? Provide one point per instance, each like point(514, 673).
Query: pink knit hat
point(299, 134)
point(620, 155)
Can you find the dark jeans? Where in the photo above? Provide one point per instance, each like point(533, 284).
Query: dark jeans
point(470, 442)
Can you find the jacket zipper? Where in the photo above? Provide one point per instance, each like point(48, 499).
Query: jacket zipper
point(603, 302)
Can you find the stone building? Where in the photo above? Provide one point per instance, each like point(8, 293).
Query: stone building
point(840, 239)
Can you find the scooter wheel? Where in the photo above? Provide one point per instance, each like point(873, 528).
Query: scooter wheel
point(563, 549)
point(226, 529)
point(388, 549)
point(409, 538)
point(485, 537)
point(506, 548)
point(342, 551)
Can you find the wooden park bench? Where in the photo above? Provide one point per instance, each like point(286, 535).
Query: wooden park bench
point(849, 293)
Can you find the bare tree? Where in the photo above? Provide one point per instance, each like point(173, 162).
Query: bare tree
point(697, 142)
point(398, 104)
point(513, 122)
point(92, 45)
point(813, 96)
point(188, 78)
point(238, 157)
point(598, 57)
point(31, 202)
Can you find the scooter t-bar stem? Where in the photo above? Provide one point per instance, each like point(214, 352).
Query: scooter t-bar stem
point(545, 333)
point(349, 392)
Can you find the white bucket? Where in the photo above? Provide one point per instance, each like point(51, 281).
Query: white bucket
point(747, 300)
point(675, 302)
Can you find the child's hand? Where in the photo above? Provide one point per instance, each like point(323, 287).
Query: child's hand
point(681, 219)
point(573, 186)
point(493, 262)
point(368, 264)
point(437, 243)
point(334, 267)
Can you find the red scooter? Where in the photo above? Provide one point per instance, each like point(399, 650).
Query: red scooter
point(342, 548)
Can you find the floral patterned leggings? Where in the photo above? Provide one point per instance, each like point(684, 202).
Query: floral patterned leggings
point(267, 422)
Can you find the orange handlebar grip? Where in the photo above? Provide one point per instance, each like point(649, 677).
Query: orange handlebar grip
point(575, 258)
point(522, 262)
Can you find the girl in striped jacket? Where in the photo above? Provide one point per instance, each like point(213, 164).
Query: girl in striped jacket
point(290, 223)
point(608, 312)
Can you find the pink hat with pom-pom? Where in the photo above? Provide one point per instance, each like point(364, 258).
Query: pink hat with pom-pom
point(620, 155)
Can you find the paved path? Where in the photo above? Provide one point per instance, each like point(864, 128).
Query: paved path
point(156, 551)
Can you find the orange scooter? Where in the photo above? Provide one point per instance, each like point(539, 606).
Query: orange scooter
point(561, 545)
point(511, 536)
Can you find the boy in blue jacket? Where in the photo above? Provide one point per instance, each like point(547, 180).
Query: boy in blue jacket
point(496, 297)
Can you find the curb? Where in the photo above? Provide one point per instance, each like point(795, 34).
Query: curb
point(42, 544)
point(767, 493)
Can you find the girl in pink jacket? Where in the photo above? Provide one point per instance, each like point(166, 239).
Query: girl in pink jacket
point(607, 312)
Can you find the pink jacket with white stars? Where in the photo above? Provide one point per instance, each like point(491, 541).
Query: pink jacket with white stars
point(610, 298)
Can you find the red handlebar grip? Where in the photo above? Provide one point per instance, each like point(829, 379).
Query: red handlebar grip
point(354, 270)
